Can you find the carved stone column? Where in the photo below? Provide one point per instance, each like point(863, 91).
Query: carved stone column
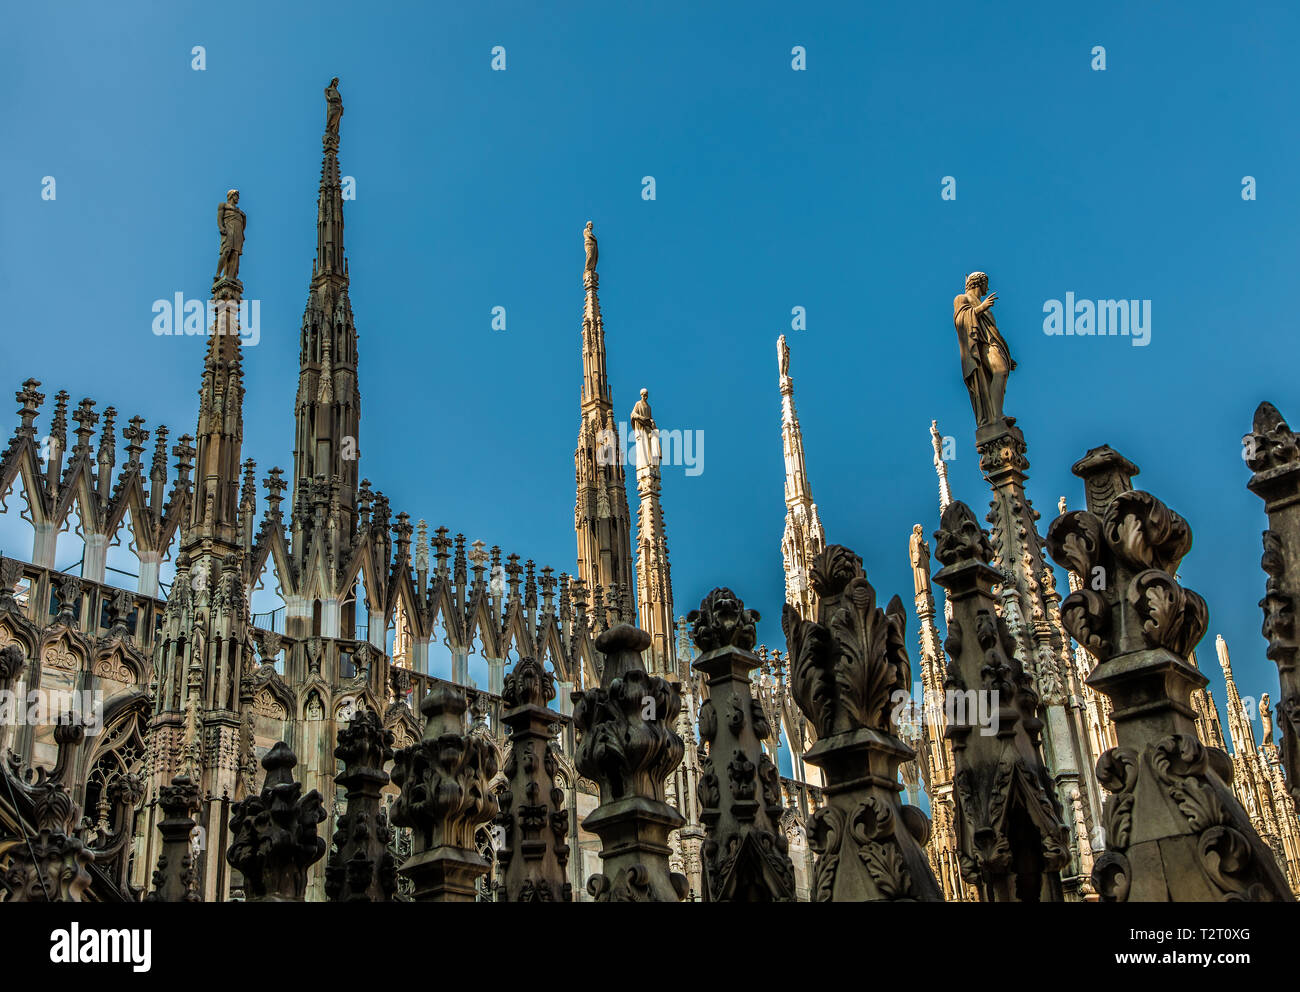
point(445, 796)
point(850, 675)
point(1174, 830)
point(1273, 454)
point(1029, 598)
point(275, 833)
point(532, 839)
point(175, 878)
point(746, 855)
point(628, 747)
point(1011, 841)
point(360, 866)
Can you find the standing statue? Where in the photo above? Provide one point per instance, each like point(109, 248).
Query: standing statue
point(643, 426)
point(985, 359)
point(919, 553)
point(589, 242)
point(1265, 720)
point(783, 356)
point(231, 222)
point(335, 112)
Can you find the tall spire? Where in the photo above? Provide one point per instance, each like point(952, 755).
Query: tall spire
point(328, 405)
point(654, 589)
point(601, 518)
point(803, 539)
point(214, 511)
point(1243, 735)
point(940, 467)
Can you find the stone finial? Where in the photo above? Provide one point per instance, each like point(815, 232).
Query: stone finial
point(1105, 474)
point(275, 839)
point(722, 621)
point(175, 877)
point(746, 853)
point(361, 866)
point(1174, 830)
point(445, 796)
point(1011, 841)
point(628, 746)
point(847, 667)
point(532, 827)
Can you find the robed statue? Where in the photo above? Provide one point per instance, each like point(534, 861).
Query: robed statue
point(643, 428)
point(919, 553)
point(334, 111)
point(231, 222)
point(985, 359)
point(589, 242)
point(782, 356)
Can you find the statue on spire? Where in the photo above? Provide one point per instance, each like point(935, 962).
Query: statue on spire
point(335, 111)
point(783, 357)
point(231, 222)
point(589, 241)
point(985, 359)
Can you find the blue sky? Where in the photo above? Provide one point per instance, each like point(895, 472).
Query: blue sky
point(774, 189)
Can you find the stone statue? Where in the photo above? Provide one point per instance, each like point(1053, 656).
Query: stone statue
point(335, 111)
point(589, 241)
point(231, 222)
point(641, 417)
point(985, 359)
point(643, 427)
point(1265, 720)
point(919, 553)
point(783, 356)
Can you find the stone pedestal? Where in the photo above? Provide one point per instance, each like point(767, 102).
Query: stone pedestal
point(627, 745)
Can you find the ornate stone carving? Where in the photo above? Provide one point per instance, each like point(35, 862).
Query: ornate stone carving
point(847, 668)
point(532, 828)
point(360, 866)
point(628, 746)
point(275, 839)
point(1273, 454)
point(174, 879)
point(1011, 841)
point(51, 866)
point(745, 851)
point(445, 796)
point(1174, 830)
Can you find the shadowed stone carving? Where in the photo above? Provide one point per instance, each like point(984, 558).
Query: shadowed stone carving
point(746, 855)
point(1174, 830)
point(444, 780)
point(848, 667)
point(1273, 454)
point(175, 877)
point(1011, 841)
point(360, 866)
point(628, 747)
point(52, 866)
point(275, 839)
point(533, 849)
